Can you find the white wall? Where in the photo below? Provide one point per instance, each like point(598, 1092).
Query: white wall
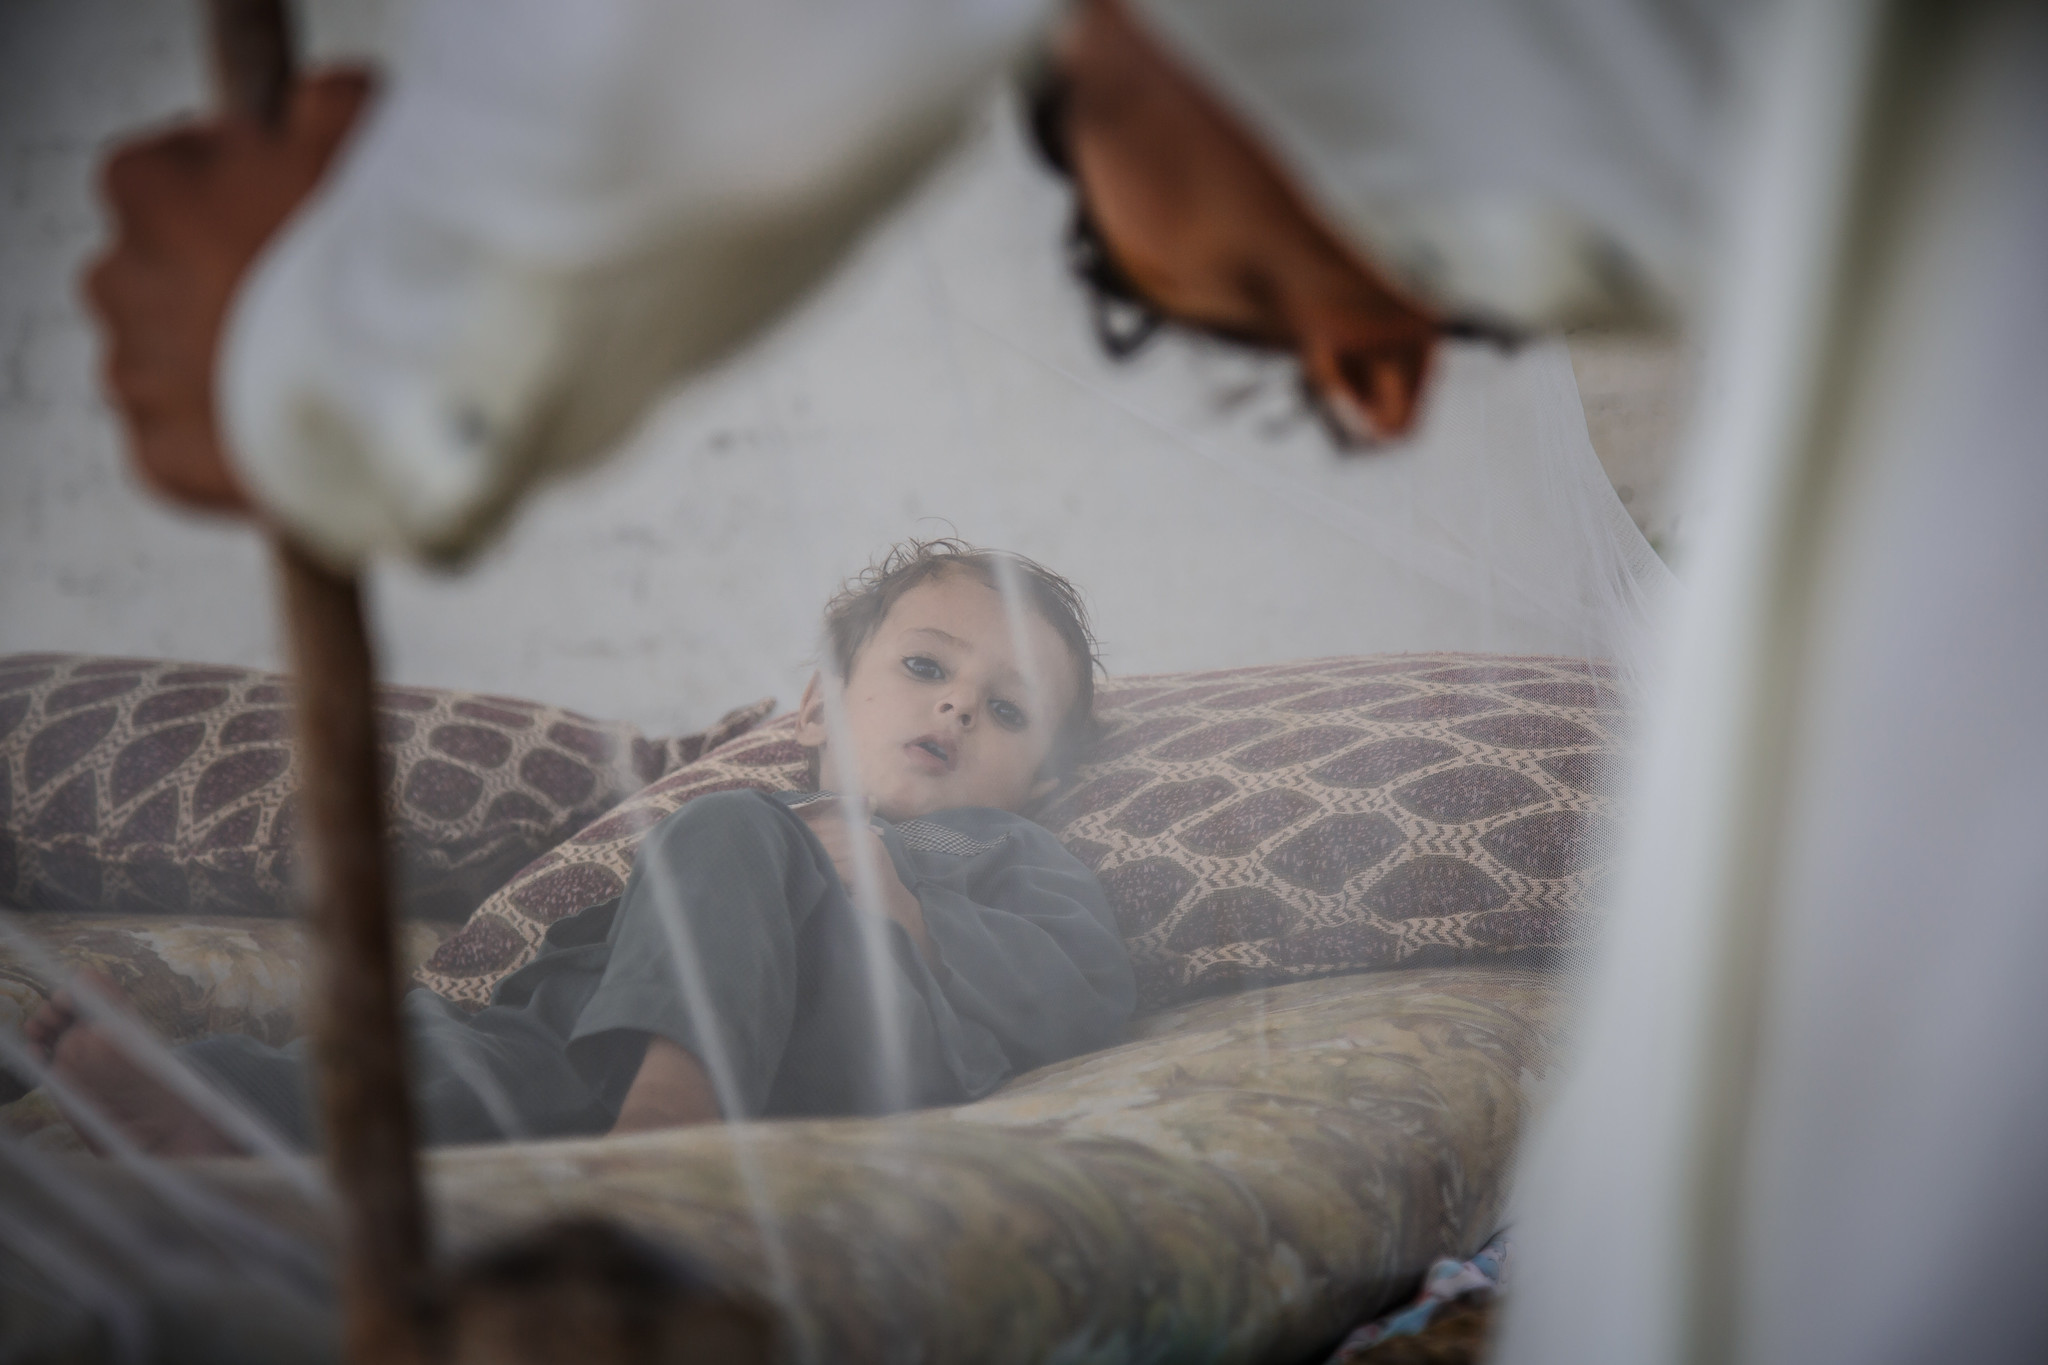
point(87, 561)
point(948, 373)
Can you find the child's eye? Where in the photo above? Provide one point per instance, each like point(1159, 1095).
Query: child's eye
point(922, 667)
point(1008, 714)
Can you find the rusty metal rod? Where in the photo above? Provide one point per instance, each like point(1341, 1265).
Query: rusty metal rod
point(358, 1048)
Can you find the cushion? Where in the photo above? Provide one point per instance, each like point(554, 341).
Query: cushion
point(1249, 825)
point(1242, 1181)
point(141, 786)
point(591, 867)
point(188, 979)
point(1269, 824)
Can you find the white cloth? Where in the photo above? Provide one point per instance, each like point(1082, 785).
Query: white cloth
point(555, 212)
point(1528, 163)
point(1810, 1108)
point(559, 210)
point(1807, 1127)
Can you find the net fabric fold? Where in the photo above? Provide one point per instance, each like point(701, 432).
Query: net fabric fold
point(951, 372)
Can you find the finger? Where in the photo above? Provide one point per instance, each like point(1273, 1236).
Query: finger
point(1394, 376)
point(156, 309)
point(153, 332)
point(326, 105)
point(155, 382)
point(183, 461)
point(45, 1024)
point(146, 389)
point(101, 283)
point(1326, 380)
point(174, 445)
point(147, 376)
point(1372, 391)
point(140, 174)
point(145, 402)
point(156, 353)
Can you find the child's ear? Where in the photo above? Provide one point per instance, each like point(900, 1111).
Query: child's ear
point(810, 715)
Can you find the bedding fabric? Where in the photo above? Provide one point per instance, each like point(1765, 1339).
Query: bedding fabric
point(140, 786)
point(782, 1002)
point(1243, 1181)
point(189, 978)
point(1249, 825)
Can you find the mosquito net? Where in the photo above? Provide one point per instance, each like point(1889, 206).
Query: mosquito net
point(951, 378)
point(947, 380)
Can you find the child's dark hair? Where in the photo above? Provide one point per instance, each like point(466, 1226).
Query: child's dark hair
point(857, 609)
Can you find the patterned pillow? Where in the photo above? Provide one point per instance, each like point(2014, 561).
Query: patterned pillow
point(591, 867)
point(1249, 825)
point(142, 786)
point(1268, 824)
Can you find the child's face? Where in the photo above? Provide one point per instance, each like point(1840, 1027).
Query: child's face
point(940, 709)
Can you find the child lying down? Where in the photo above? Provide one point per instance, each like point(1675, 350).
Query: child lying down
point(737, 948)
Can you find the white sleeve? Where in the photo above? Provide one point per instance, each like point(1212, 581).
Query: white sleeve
point(1531, 164)
point(554, 212)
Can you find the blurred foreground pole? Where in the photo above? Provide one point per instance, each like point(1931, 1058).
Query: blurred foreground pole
point(358, 1050)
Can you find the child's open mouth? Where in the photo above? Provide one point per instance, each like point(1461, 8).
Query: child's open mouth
point(937, 755)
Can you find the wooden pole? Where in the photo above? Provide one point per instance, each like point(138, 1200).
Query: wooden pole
point(358, 1048)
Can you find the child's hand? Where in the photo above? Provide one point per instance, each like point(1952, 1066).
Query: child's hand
point(828, 820)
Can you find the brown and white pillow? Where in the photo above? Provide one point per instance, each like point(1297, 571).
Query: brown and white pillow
point(591, 867)
point(141, 786)
point(1249, 825)
point(1269, 824)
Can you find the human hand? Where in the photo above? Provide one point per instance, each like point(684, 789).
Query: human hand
point(841, 836)
point(1199, 219)
point(192, 207)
